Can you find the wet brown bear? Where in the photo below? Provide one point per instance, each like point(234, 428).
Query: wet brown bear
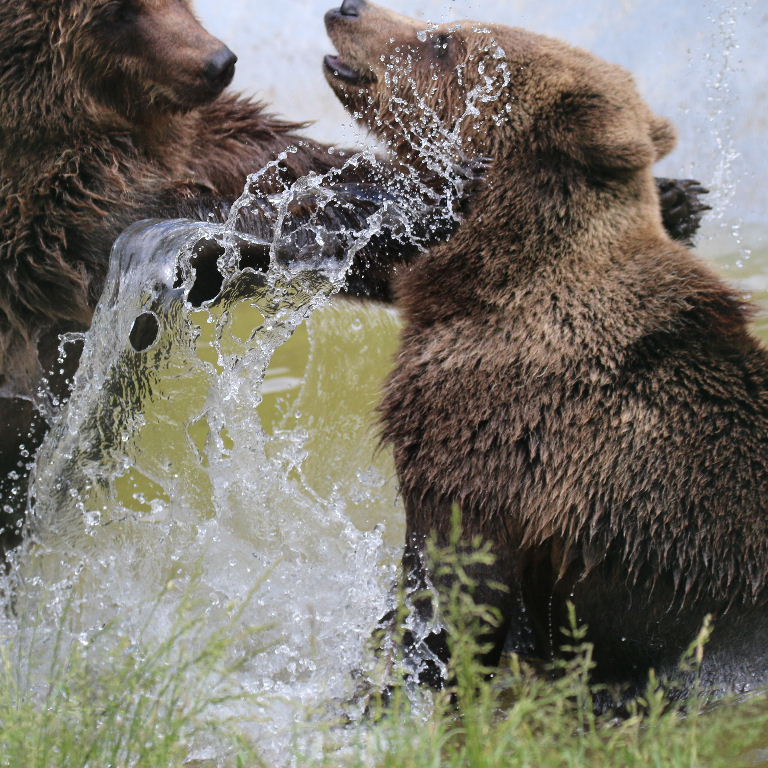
point(110, 111)
point(113, 111)
point(582, 386)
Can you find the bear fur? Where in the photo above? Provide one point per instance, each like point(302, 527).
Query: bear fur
point(113, 111)
point(583, 387)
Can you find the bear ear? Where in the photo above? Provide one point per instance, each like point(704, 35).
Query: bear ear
point(618, 137)
point(663, 136)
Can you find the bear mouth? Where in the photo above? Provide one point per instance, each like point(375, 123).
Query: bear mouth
point(339, 70)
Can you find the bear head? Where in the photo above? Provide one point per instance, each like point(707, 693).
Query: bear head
point(69, 61)
point(488, 90)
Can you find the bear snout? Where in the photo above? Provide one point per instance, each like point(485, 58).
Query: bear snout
point(219, 70)
point(352, 7)
point(349, 9)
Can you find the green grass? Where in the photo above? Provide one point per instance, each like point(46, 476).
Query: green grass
point(544, 728)
point(524, 719)
point(530, 722)
point(109, 702)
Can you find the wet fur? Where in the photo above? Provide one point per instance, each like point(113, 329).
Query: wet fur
point(584, 387)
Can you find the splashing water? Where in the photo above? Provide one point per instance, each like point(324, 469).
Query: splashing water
point(166, 485)
point(159, 490)
point(416, 119)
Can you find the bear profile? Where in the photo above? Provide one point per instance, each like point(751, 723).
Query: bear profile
point(584, 388)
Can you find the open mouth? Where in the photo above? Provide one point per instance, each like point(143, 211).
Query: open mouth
point(341, 71)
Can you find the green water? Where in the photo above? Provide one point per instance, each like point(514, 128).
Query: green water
point(327, 378)
point(320, 391)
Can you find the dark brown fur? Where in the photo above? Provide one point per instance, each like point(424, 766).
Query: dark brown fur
point(582, 386)
point(107, 117)
point(89, 142)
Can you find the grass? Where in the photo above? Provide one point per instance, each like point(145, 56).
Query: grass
point(523, 719)
point(551, 723)
point(108, 702)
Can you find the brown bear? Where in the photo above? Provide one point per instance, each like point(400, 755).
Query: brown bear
point(584, 388)
point(112, 111)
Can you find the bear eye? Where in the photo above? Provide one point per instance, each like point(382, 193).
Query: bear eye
point(440, 45)
point(119, 12)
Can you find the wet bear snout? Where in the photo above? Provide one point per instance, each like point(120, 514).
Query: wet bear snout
point(352, 7)
point(220, 68)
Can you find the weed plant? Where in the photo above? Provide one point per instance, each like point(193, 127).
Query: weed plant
point(517, 717)
point(111, 701)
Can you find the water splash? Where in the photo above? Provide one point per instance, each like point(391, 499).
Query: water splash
point(159, 488)
point(416, 108)
point(722, 64)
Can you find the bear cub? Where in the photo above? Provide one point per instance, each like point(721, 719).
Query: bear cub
point(584, 388)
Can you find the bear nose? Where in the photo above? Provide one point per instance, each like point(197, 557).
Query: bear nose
point(352, 7)
point(220, 68)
